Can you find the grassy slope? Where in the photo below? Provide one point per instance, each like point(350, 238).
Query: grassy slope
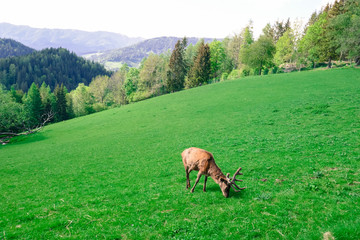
point(118, 173)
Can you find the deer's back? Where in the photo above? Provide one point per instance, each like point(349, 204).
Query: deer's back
point(197, 159)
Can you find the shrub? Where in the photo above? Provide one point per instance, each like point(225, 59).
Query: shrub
point(235, 74)
point(265, 72)
point(224, 76)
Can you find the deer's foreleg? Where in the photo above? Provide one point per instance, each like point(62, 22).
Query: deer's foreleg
point(204, 189)
point(196, 182)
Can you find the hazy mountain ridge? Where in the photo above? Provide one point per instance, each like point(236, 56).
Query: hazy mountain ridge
point(12, 48)
point(103, 47)
point(80, 42)
point(132, 55)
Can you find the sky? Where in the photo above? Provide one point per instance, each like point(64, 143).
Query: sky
point(156, 18)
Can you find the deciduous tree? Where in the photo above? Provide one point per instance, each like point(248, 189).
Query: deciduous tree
point(218, 59)
point(285, 48)
point(259, 54)
point(12, 114)
point(82, 100)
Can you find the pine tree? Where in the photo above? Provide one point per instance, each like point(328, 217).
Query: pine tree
point(177, 68)
point(200, 72)
point(48, 99)
point(60, 97)
point(280, 28)
point(33, 106)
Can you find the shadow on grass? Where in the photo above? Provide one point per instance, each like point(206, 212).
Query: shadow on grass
point(25, 139)
point(216, 188)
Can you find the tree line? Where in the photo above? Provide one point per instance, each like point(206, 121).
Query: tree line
point(332, 34)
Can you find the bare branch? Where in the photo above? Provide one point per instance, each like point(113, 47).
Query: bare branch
point(6, 136)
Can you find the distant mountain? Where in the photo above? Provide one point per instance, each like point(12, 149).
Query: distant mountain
point(80, 42)
point(52, 66)
point(12, 48)
point(133, 55)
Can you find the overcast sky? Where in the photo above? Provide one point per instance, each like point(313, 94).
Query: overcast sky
point(155, 18)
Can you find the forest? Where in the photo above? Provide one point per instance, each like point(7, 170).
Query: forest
point(10, 48)
point(330, 38)
point(52, 66)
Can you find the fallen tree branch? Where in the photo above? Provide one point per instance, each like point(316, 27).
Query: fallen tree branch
point(5, 137)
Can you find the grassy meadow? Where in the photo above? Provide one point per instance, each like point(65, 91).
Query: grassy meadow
point(118, 174)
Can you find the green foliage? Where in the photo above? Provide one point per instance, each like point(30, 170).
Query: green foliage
point(232, 48)
point(12, 113)
point(82, 100)
point(152, 75)
point(235, 74)
point(346, 29)
point(131, 82)
point(247, 35)
point(259, 54)
point(200, 71)
point(118, 174)
point(313, 41)
point(52, 66)
point(12, 48)
point(99, 88)
point(247, 40)
point(285, 48)
point(62, 111)
point(279, 29)
point(177, 68)
point(48, 99)
point(33, 106)
point(190, 53)
point(115, 90)
point(218, 59)
point(17, 95)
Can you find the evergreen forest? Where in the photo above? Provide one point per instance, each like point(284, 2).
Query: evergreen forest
point(11, 48)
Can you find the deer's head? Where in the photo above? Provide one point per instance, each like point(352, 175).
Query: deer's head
point(225, 186)
point(226, 183)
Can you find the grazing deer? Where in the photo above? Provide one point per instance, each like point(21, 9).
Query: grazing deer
point(203, 161)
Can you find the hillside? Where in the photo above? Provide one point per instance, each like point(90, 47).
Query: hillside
point(12, 48)
point(118, 174)
point(52, 66)
point(132, 55)
point(80, 42)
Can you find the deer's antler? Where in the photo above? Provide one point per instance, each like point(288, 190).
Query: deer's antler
point(233, 179)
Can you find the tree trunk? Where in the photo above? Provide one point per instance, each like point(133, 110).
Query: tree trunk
point(329, 64)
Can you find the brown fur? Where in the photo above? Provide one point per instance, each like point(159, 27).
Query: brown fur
point(203, 161)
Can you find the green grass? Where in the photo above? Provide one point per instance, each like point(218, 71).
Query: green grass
point(118, 174)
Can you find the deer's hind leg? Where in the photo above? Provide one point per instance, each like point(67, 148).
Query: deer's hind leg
point(204, 189)
point(187, 178)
